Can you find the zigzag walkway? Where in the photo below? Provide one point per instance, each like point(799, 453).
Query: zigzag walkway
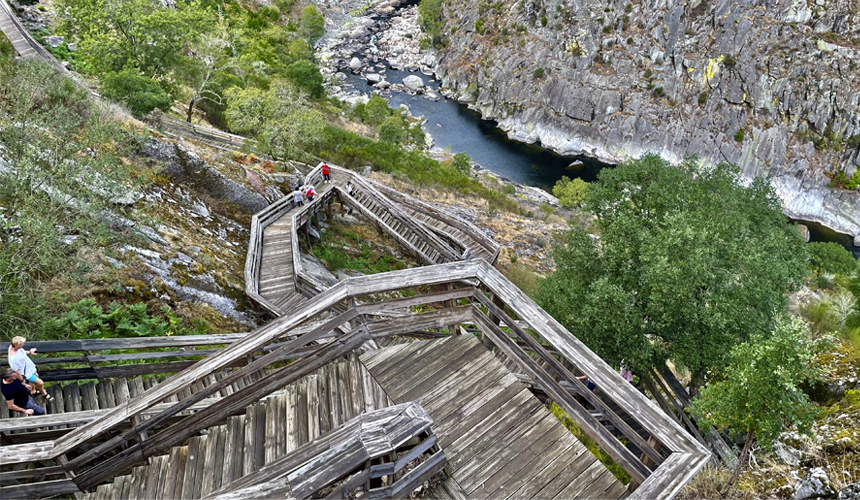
point(274, 277)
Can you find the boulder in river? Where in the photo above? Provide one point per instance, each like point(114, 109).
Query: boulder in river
point(414, 83)
point(355, 64)
point(373, 77)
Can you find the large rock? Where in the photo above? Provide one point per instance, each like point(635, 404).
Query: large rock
point(355, 63)
point(850, 492)
point(413, 82)
point(373, 77)
point(816, 484)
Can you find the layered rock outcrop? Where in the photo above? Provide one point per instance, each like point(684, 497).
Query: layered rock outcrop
point(773, 85)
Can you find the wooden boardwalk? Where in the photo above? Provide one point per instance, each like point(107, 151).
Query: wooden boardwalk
point(501, 442)
point(268, 431)
point(275, 278)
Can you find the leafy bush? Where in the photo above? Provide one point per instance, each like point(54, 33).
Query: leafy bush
point(462, 163)
point(479, 26)
point(544, 21)
point(570, 193)
point(306, 75)
point(391, 130)
point(522, 277)
point(139, 93)
point(703, 98)
point(729, 61)
point(87, 320)
point(538, 73)
point(739, 135)
point(509, 189)
point(831, 257)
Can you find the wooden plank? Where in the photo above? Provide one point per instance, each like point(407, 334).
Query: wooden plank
point(212, 478)
point(354, 381)
point(313, 407)
point(302, 411)
point(281, 427)
point(39, 490)
point(582, 481)
point(672, 475)
point(324, 399)
point(292, 441)
point(248, 465)
point(191, 459)
point(260, 437)
point(150, 488)
point(271, 429)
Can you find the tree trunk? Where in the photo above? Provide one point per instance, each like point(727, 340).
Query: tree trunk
point(190, 109)
point(741, 461)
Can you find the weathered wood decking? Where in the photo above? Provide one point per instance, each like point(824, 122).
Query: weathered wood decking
point(501, 442)
point(266, 432)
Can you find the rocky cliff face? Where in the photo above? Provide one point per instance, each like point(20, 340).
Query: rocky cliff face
point(615, 79)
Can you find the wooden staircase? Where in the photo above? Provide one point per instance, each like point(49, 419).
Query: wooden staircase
point(269, 430)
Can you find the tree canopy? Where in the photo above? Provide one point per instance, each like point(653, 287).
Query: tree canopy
point(570, 193)
point(688, 263)
point(831, 257)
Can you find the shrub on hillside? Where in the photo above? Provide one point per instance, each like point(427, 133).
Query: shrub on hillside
point(139, 93)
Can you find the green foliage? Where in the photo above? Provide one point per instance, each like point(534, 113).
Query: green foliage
point(739, 135)
point(842, 181)
point(547, 210)
point(306, 76)
point(279, 118)
point(138, 34)
point(312, 24)
point(462, 163)
point(88, 320)
point(544, 21)
point(509, 189)
point(479, 26)
point(729, 61)
point(139, 93)
point(391, 130)
point(831, 257)
point(538, 74)
point(55, 185)
point(430, 20)
point(689, 263)
point(853, 142)
point(759, 391)
point(376, 111)
point(703, 98)
point(361, 258)
point(590, 445)
point(570, 193)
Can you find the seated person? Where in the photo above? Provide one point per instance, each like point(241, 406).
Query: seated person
point(17, 394)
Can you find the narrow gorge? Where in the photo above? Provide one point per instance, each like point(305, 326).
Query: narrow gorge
point(773, 87)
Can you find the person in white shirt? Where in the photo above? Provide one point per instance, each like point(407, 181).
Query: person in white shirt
point(20, 362)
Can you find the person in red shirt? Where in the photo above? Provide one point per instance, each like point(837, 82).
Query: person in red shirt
point(310, 193)
point(325, 173)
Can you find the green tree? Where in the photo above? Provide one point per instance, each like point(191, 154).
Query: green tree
point(570, 193)
point(141, 34)
point(312, 23)
point(139, 93)
point(376, 110)
point(279, 118)
point(759, 391)
point(306, 75)
point(688, 263)
point(462, 163)
point(831, 257)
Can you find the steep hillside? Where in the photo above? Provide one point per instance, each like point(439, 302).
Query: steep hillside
point(771, 86)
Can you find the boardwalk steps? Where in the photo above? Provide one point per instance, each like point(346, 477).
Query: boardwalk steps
point(501, 442)
point(268, 431)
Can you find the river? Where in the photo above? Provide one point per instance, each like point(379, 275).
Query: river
point(456, 127)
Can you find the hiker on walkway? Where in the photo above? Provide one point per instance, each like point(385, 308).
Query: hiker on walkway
point(298, 198)
point(325, 173)
point(17, 394)
point(311, 193)
point(20, 362)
